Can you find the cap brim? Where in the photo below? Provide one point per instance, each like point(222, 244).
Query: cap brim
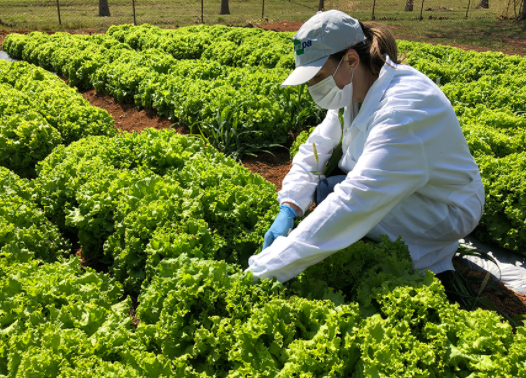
point(304, 73)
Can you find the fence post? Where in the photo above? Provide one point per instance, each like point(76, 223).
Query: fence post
point(374, 5)
point(202, 13)
point(134, 21)
point(421, 10)
point(263, 10)
point(58, 10)
point(321, 5)
point(467, 10)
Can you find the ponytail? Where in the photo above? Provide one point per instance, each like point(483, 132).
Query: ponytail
point(379, 41)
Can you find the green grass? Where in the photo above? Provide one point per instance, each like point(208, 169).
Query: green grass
point(482, 28)
point(506, 36)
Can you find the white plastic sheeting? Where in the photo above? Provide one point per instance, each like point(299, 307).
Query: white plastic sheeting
point(4, 56)
point(512, 272)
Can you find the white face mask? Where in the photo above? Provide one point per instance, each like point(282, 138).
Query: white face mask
point(327, 94)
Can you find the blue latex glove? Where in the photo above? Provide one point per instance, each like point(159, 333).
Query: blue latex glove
point(283, 224)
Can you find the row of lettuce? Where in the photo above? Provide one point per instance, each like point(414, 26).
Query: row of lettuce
point(39, 112)
point(236, 47)
point(189, 91)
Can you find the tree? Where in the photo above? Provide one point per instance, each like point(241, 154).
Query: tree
point(409, 6)
point(224, 7)
point(321, 6)
point(483, 4)
point(104, 9)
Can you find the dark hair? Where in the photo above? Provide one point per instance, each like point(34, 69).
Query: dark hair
point(379, 41)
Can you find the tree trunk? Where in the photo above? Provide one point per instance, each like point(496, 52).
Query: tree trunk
point(224, 7)
point(321, 6)
point(409, 6)
point(104, 9)
point(483, 4)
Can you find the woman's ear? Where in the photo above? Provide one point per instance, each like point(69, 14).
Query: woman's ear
point(353, 59)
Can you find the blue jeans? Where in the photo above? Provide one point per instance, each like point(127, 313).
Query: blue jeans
point(326, 187)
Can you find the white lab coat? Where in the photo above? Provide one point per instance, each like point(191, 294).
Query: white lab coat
point(410, 173)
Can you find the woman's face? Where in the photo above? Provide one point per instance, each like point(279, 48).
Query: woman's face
point(342, 77)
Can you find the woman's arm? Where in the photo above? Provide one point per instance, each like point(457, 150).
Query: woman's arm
point(298, 186)
point(392, 167)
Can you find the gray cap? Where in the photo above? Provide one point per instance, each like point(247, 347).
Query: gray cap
point(324, 34)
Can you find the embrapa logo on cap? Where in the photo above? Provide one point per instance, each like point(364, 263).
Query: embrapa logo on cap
point(299, 47)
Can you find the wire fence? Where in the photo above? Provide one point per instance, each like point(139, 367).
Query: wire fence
point(50, 14)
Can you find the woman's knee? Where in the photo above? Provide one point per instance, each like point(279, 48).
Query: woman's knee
point(326, 187)
point(322, 191)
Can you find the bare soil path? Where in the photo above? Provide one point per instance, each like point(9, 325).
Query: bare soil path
point(126, 116)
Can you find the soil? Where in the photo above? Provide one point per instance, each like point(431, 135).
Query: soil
point(272, 168)
point(283, 26)
point(504, 299)
point(127, 117)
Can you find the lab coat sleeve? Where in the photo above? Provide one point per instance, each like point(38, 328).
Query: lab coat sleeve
point(392, 167)
point(299, 184)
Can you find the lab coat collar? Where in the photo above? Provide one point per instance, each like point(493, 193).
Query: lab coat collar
point(375, 93)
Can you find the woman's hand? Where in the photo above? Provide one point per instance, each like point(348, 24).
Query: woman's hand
point(283, 224)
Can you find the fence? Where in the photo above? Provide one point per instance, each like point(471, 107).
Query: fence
point(48, 14)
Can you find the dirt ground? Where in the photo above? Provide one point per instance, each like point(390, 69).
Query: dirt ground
point(126, 116)
point(506, 300)
point(272, 168)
